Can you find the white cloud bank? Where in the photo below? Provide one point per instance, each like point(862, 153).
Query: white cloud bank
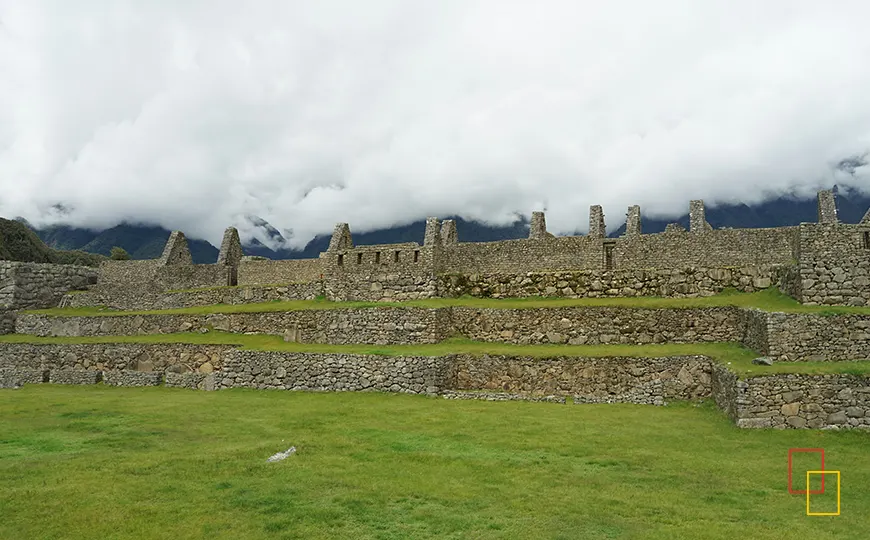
point(192, 114)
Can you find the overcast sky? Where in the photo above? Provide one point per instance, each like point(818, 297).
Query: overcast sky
point(191, 114)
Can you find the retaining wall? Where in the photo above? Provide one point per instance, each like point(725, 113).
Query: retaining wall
point(680, 282)
point(198, 297)
point(335, 326)
point(598, 325)
point(794, 400)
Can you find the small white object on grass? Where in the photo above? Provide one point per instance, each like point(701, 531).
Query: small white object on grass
point(282, 455)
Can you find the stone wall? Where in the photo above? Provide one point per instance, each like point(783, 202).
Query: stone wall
point(256, 272)
point(341, 372)
point(525, 255)
point(36, 285)
point(335, 326)
point(422, 325)
point(18, 377)
point(635, 380)
point(7, 321)
point(794, 400)
point(374, 287)
point(174, 357)
point(128, 275)
point(598, 325)
point(807, 336)
point(755, 329)
point(835, 264)
point(724, 390)
point(199, 297)
point(720, 248)
point(130, 278)
point(381, 272)
point(682, 282)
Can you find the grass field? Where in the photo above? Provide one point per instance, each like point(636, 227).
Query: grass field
point(768, 300)
point(110, 463)
point(737, 357)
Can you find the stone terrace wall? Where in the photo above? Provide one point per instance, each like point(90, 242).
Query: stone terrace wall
point(342, 372)
point(794, 401)
point(597, 325)
point(636, 380)
point(806, 336)
point(173, 357)
point(279, 272)
point(35, 285)
point(784, 336)
point(683, 282)
point(423, 325)
point(200, 297)
point(335, 326)
point(835, 264)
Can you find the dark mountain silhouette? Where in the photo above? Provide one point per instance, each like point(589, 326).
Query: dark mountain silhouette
point(147, 241)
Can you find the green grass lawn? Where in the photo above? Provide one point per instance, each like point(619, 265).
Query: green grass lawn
point(768, 300)
point(737, 357)
point(99, 462)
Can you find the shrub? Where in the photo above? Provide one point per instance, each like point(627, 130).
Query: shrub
point(119, 254)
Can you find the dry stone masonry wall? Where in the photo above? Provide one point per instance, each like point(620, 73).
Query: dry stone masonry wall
point(335, 326)
point(196, 297)
point(784, 336)
point(335, 372)
point(805, 336)
point(590, 380)
point(34, 285)
point(834, 265)
point(600, 325)
point(827, 262)
point(173, 357)
point(794, 400)
point(685, 282)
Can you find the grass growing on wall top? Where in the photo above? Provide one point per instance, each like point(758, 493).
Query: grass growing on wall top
point(101, 462)
point(737, 357)
point(768, 300)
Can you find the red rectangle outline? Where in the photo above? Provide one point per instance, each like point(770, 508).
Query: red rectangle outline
point(822, 468)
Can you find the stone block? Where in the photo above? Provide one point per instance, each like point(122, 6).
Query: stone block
point(790, 409)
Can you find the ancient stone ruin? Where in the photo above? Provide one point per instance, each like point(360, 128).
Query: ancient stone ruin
point(821, 263)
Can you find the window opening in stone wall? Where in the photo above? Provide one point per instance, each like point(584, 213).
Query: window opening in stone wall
point(416, 255)
point(359, 258)
point(866, 239)
point(608, 256)
point(340, 259)
point(396, 256)
point(377, 257)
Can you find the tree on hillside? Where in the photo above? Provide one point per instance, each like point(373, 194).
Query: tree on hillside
point(119, 254)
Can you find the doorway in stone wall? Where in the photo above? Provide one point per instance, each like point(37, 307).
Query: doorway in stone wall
point(233, 277)
point(608, 255)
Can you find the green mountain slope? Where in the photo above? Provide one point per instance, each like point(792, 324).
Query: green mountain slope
point(19, 243)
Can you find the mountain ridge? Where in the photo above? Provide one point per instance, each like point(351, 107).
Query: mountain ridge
point(147, 241)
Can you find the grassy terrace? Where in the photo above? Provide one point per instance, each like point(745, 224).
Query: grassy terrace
point(737, 357)
point(768, 300)
point(99, 462)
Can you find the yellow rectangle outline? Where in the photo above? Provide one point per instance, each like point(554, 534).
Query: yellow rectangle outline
point(837, 513)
